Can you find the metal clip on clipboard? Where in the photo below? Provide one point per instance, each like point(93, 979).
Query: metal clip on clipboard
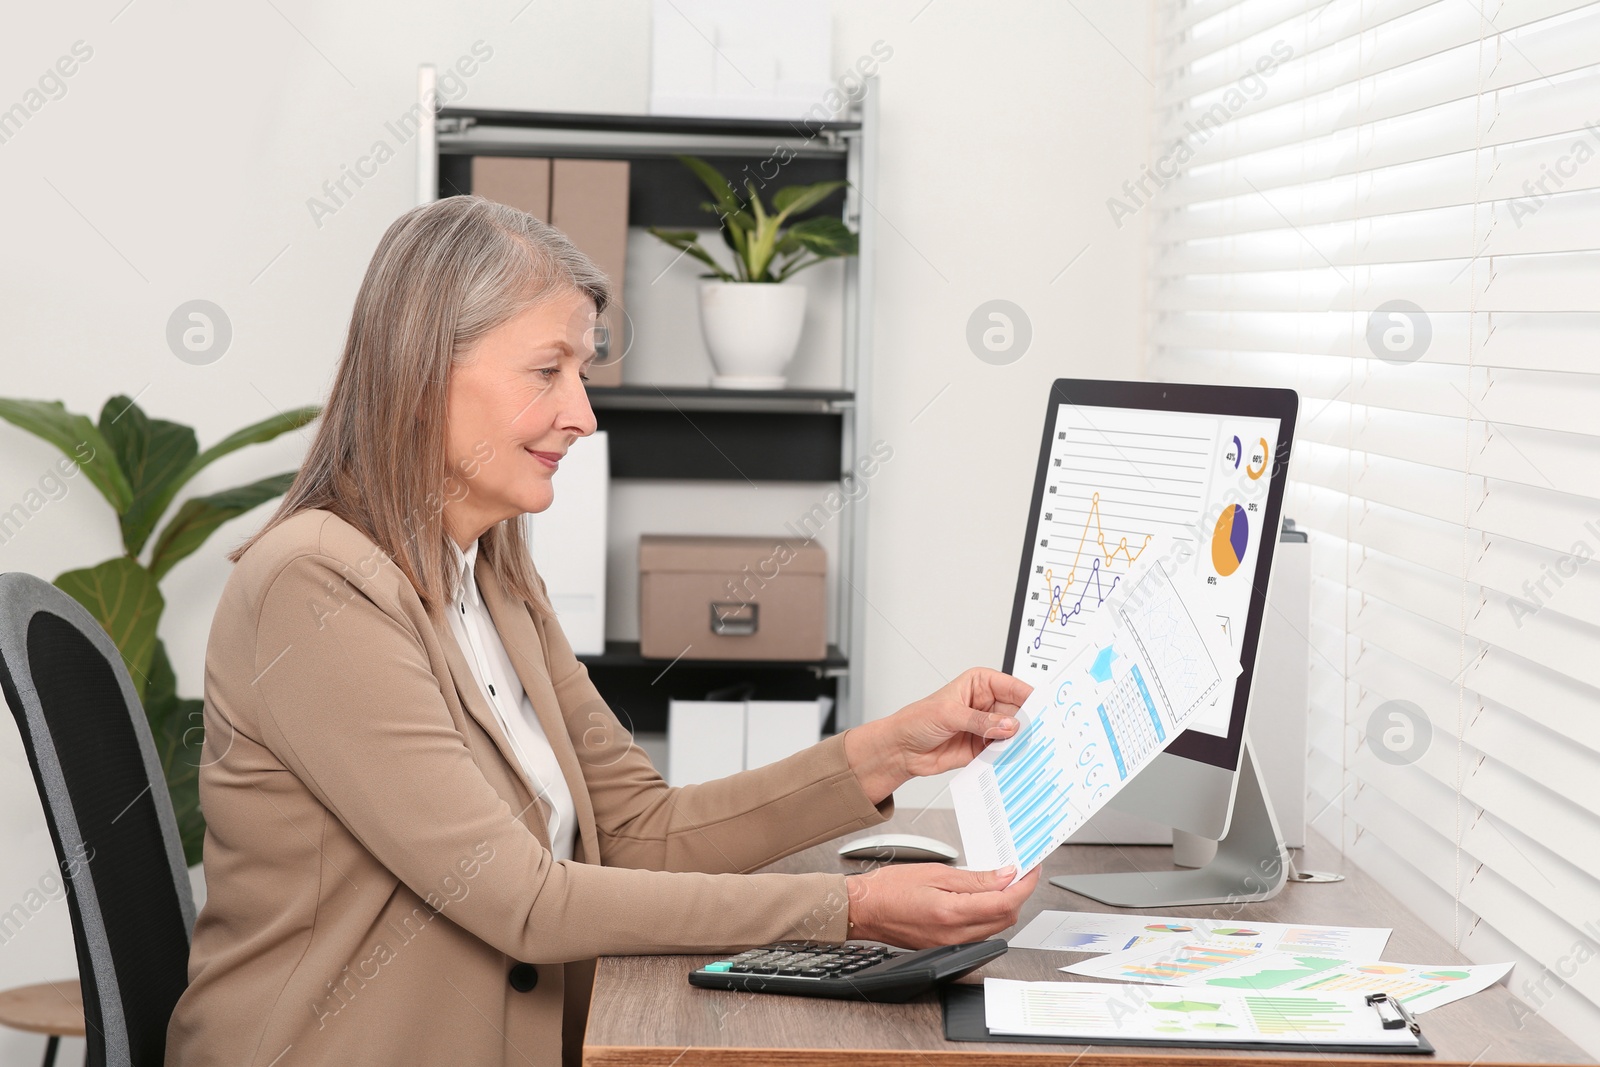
point(1396, 1016)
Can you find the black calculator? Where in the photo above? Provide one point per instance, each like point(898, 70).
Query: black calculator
point(858, 971)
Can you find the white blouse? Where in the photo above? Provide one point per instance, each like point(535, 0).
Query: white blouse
point(486, 655)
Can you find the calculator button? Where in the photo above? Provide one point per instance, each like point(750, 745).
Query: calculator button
point(720, 965)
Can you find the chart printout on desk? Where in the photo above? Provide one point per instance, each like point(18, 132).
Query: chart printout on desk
point(1142, 669)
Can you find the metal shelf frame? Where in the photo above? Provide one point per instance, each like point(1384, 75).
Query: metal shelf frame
point(804, 146)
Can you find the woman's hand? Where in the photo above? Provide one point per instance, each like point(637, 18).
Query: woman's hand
point(940, 732)
point(920, 905)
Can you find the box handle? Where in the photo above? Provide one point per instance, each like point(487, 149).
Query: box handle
point(734, 619)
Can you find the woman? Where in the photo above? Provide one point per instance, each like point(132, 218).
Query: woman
point(423, 823)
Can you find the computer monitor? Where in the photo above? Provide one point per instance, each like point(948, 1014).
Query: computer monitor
point(1195, 475)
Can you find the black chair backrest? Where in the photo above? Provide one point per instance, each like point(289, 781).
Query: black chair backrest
point(109, 813)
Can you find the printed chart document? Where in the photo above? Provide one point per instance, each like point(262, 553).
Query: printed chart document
point(1215, 966)
point(1142, 669)
point(1125, 487)
point(1153, 1015)
point(1099, 932)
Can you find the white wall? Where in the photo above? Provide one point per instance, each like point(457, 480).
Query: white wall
point(179, 162)
point(1003, 133)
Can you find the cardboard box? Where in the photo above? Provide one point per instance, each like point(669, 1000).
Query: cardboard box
point(586, 199)
point(589, 203)
point(706, 597)
point(516, 181)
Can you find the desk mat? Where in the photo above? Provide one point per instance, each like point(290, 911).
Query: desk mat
point(964, 1021)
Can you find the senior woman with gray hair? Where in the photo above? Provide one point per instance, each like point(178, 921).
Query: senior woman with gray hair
point(423, 822)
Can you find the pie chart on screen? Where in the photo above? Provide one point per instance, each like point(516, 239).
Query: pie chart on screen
point(1229, 541)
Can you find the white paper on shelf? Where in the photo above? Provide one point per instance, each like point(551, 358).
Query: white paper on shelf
point(1102, 932)
point(776, 729)
point(1207, 964)
point(568, 543)
point(1141, 670)
point(705, 740)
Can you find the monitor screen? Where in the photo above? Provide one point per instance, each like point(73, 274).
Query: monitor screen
point(1135, 473)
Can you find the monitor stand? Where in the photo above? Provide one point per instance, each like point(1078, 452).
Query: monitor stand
point(1251, 862)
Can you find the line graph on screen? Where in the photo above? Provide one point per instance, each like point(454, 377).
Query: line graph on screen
point(1119, 489)
point(1058, 612)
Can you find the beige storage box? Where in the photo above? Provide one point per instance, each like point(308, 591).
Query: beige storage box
point(707, 597)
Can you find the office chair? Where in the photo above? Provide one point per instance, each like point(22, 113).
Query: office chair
point(110, 817)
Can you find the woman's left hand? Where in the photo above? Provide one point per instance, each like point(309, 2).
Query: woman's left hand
point(940, 732)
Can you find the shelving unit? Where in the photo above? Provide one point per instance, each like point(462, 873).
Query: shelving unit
point(675, 432)
point(729, 437)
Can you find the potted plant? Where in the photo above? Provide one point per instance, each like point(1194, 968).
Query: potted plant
point(139, 464)
point(751, 316)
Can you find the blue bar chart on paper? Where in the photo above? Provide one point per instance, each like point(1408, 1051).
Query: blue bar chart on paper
point(1029, 793)
point(1144, 667)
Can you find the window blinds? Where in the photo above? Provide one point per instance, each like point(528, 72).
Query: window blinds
point(1394, 207)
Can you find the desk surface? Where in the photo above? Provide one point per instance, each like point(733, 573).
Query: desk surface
point(644, 1011)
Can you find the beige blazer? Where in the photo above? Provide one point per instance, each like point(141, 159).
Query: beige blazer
point(379, 884)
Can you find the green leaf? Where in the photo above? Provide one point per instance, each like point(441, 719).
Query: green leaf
point(124, 598)
point(178, 739)
point(759, 246)
point(738, 222)
point(735, 228)
point(728, 201)
point(676, 238)
point(151, 452)
point(797, 264)
point(255, 433)
point(200, 516)
point(826, 236)
point(689, 241)
point(162, 682)
point(756, 209)
point(177, 725)
point(799, 198)
point(79, 439)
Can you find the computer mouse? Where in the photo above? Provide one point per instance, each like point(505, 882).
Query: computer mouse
point(895, 847)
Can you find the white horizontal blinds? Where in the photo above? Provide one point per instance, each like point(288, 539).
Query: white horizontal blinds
point(1311, 162)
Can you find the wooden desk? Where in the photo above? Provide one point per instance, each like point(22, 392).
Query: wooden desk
point(644, 1011)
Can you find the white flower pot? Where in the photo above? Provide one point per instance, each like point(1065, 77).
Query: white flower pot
point(751, 330)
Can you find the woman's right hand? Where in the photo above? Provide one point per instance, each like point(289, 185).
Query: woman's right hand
point(920, 905)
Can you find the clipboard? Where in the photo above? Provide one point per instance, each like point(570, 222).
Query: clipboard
point(964, 1021)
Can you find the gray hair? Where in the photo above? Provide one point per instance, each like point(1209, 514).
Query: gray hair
point(443, 276)
point(510, 261)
